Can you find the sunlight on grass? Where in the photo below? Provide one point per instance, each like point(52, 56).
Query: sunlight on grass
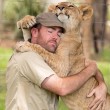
point(4, 57)
point(105, 69)
point(105, 55)
point(2, 91)
point(62, 106)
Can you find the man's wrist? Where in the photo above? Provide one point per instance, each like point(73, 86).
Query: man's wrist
point(103, 85)
point(99, 77)
point(93, 68)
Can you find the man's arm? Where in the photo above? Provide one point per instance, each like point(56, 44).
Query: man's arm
point(64, 86)
point(99, 77)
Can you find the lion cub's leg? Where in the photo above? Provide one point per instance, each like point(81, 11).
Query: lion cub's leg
point(25, 24)
point(57, 62)
point(27, 46)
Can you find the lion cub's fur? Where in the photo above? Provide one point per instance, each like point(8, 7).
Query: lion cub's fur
point(68, 58)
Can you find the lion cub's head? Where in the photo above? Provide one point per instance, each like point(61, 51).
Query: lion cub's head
point(70, 14)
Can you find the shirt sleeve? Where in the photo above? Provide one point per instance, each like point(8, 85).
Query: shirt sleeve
point(34, 68)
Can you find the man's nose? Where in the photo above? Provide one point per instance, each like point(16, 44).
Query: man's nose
point(55, 35)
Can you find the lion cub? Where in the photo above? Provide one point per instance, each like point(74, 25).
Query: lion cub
point(68, 58)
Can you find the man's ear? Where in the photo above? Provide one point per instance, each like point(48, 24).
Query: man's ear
point(51, 8)
point(34, 32)
point(86, 11)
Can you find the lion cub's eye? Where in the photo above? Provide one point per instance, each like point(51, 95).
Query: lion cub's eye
point(56, 6)
point(70, 6)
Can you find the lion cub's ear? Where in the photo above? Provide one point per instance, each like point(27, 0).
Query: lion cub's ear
point(86, 11)
point(51, 8)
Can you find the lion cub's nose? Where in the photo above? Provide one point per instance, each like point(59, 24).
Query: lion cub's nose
point(61, 8)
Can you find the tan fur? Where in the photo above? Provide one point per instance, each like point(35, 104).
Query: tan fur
point(23, 24)
point(69, 58)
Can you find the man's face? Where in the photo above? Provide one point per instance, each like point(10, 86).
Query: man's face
point(49, 37)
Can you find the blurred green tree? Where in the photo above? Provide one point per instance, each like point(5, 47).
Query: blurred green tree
point(16, 9)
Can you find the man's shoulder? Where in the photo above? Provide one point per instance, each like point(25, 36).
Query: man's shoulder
point(28, 54)
point(25, 56)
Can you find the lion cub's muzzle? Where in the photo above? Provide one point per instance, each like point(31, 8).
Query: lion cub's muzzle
point(60, 8)
point(61, 12)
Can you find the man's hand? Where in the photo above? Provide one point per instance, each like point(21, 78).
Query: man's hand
point(100, 93)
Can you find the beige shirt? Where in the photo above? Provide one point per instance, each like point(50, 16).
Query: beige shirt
point(25, 73)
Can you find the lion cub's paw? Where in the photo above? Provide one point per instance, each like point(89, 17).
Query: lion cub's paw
point(27, 22)
point(22, 46)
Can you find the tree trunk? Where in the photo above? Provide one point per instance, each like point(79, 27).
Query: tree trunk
point(99, 24)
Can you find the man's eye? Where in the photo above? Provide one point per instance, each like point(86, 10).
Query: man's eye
point(59, 34)
point(50, 30)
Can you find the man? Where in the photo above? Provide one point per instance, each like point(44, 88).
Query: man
point(33, 85)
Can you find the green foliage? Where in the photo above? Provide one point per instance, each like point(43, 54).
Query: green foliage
point(105, 69)
point(62, 106)
point(104, 55)
point(14, 10)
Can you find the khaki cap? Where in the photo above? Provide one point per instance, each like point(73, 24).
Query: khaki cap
point(49, 19)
